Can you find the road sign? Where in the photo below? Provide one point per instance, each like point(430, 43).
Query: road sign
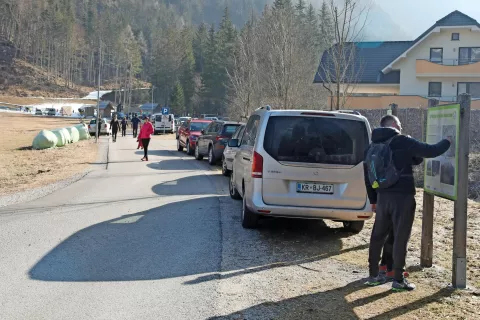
point(165, 110)
point(441, 173)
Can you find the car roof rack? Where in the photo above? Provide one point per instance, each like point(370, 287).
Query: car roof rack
point(349, 112)
point(267, 107)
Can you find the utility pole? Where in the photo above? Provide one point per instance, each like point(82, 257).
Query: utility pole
point(98, 91)
point(153, 89)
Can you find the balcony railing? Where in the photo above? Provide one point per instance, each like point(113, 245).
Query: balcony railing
point(448, 68)
point(452, 62)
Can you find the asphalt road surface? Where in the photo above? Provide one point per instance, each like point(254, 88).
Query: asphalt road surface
point(161, 240)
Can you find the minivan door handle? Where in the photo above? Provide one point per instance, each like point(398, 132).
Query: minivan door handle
point(247, 159)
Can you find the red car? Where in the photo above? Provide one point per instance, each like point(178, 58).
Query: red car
point(188, 134)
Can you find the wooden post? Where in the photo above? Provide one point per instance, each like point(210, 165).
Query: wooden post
point(394, 108)
point(426, 253)
point(459, 263)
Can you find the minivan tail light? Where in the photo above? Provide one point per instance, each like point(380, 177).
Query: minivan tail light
point(257, 165)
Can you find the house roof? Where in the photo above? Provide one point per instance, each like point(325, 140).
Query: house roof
point(104, 104)
point(369, 59)
point(148, 106)
point(373, 60)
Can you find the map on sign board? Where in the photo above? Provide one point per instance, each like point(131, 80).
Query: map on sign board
point(441, 173)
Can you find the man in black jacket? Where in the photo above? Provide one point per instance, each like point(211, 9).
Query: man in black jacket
point(395, 206)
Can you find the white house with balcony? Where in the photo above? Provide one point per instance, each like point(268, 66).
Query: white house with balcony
point(441, 63)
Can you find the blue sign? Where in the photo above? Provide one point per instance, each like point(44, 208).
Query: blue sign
point(165, 110)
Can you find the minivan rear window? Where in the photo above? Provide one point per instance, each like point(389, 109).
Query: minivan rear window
point(229, 129)
point(316, 140)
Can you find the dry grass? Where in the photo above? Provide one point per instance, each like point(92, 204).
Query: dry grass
point(22, 168)
point(431, 300)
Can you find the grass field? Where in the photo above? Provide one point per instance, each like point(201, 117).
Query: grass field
point(22, 168)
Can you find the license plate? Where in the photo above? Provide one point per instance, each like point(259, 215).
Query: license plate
point(312, 187)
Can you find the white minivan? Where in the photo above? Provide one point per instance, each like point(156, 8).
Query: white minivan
point(163, 123)
point(302, 164)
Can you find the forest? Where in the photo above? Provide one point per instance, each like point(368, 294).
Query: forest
point(202, 56)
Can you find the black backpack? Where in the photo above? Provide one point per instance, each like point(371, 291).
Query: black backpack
point(382, 172)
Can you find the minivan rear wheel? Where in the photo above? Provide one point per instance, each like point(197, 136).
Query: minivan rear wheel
point(249, 219)
point(353, 226)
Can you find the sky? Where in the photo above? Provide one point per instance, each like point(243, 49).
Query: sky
point(416, 16)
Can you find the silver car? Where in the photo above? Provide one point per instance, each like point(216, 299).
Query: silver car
point(230, 152)
point(104, 129)
point(302, 164)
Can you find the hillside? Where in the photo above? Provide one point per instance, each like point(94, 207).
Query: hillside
point(22, 79)
point(192, 51)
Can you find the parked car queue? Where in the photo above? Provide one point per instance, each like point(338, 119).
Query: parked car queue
point(289, 163)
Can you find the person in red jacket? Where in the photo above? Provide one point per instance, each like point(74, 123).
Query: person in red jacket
point(145, 133)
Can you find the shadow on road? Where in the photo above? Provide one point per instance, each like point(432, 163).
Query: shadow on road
point(332, 304)
point(192, 185)
point(179, 239)
point(161, 153)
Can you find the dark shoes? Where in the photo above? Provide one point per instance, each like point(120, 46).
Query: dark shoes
point(376, 281)
point(402, 286)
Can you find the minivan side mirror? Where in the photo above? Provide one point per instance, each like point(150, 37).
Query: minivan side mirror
point(203, 131)
point(234, 143)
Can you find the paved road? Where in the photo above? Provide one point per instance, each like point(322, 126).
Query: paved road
point(159, 240)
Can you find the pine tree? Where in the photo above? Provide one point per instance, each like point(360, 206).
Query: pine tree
point(282, 5)
point(227, 37)
point(200, 47)
point(300, 9)
point(187, 72)
point(326, 26)
point(177, 99)
point(210, 73)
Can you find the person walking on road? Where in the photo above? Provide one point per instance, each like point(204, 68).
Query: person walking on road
point(114, 126)
point(124, 125)
point(391, 191)
point(145, 133)
point(135, 122)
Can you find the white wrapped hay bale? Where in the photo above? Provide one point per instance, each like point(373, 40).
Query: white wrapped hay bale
point(66, 133)
point(44, 140)
point(83, 131)
point(74, 134)
point(62, 140)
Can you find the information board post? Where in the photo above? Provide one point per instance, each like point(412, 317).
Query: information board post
point(426, 255)
point(459, 263)
point(394, 109)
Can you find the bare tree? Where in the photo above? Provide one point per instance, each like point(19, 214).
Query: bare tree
point(244, 77)
point(341, 68)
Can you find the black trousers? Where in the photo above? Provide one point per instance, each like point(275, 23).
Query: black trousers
point(395, 212)
point(135, 131)
point(124, 132)
point(145, 143)
point(387, 254)
point(114, 134)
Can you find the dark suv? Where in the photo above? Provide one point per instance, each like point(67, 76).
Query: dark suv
point(214, 139)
